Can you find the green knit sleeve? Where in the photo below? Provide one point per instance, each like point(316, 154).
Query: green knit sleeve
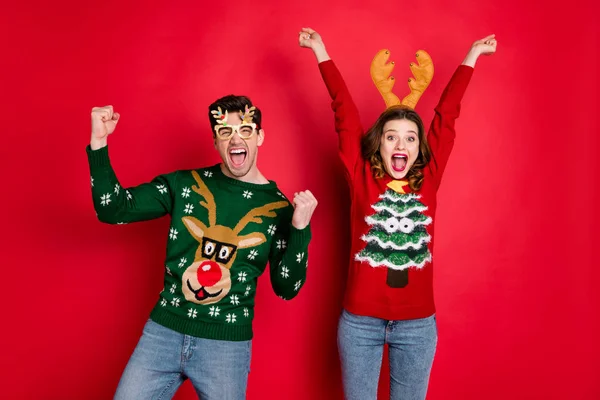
point(116, 205)
point(288, 259)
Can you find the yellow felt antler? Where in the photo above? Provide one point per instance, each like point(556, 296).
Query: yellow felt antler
point(381, 72)
point(423, 74)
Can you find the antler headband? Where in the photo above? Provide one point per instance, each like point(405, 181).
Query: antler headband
point(381, 71)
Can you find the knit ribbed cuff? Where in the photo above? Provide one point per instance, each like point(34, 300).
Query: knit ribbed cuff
point(326, 64)
point(464, 72)
point(299, 238)
point(98, 158)
point(202, 329)
point(332, 77)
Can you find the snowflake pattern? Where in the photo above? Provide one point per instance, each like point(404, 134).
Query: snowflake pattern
point(285, 272)
point(253, 254)
point(173, 288)
point(208, 174)
point(162, 189)
point(92, 181)
point(173, 234)
point(175, 302)
point(246, 312)
point(234, 300)
point(272, 229)
point(248, 289)
point(242, 277)
point(214, 311)
point(230, 318)
point(188, 208)
point(169, 270)
point(281, 244)
point(247, 194)
point(297, 285)
point(182, 262)
point(299, 257)
point(117, 188)
point(129, 196)
point(163, 302)
point(192, 313)
point(185, 193)
point(105, 199)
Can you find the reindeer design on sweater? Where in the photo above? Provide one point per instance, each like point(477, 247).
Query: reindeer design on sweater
point(208, 279)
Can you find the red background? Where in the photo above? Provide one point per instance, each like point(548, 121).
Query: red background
point(516, 279)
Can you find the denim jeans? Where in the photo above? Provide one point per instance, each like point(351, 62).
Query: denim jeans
point(163, 359)
point(411, 346)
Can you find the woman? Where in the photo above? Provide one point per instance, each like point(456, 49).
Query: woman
point(394, 170)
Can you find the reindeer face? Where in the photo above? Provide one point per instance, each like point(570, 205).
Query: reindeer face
point(208, 279)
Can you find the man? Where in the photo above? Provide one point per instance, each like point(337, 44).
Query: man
point(227, 222)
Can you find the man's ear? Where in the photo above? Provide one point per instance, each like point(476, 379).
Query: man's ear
point(261, 137)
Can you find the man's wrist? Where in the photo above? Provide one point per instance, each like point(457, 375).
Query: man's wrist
point(97, 144)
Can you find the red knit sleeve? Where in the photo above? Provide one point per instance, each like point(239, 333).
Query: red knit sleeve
point(347, 120)
point(442, 133)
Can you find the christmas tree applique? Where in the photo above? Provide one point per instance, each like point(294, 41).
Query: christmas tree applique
point(398, 235)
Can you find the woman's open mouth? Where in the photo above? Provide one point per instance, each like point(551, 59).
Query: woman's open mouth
point(399, 162)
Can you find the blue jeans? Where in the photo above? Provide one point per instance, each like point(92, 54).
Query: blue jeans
point(411, 345)
point(163, 359)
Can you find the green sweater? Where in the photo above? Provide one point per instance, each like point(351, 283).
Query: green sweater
point(223, 233)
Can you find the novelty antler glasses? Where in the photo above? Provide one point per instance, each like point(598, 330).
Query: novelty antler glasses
point(225, 131)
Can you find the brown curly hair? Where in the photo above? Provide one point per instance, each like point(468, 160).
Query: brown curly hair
point(371, 141)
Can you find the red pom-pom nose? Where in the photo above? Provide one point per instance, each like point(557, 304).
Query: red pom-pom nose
point(209, 273)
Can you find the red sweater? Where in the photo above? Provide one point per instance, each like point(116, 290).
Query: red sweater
point(392, 229)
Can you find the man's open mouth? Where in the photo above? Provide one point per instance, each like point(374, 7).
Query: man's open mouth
point(202, 294)
point(237, 156)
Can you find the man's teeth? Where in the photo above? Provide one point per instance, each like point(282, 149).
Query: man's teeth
point(237, 151)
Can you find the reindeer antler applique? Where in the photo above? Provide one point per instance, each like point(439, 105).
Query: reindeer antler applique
point(219, 116)
point(381, 72)
point(255, 214)
point(209, 199)
point(252, 216)
point(247, 115)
